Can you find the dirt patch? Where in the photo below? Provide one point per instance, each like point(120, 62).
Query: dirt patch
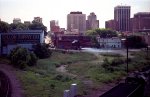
point(17, 90)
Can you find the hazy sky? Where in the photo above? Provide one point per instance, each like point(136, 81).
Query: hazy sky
point(58, 9)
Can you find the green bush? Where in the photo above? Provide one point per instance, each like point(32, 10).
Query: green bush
point(117, 61)
point(21, 57)
point(112, 65)
point(33, 59)
point(42, 51)
point(111, 55)
point(62, 78)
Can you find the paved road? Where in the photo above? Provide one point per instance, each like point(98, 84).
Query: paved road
point(117, 51)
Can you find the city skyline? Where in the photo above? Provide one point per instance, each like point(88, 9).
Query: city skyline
point(49, 10)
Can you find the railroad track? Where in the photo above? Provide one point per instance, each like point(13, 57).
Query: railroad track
point(5, 85)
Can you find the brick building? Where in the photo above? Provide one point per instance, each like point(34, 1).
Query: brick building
point(111, 24)
point(71, 41)
point(141, 21)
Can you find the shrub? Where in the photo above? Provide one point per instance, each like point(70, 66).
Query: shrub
point(52, 86)
point(33, 59)
point(62, 78)
point(21, 57)
point(111, 55)
point(117, 61)
point(105, 63)
point(112, 65)
point(42, 51)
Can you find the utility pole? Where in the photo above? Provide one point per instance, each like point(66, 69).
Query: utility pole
point(127, 53)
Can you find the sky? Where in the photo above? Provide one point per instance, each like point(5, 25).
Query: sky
point(26, 10)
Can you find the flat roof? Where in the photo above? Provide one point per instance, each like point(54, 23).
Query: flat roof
point(22, 32)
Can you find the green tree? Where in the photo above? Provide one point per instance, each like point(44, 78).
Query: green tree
point(102, 32)
point(91, 32)
point(38, 26)
point(19, 26)
point(4, 27)
point(42, 51)
point(95, 42)
point(135, 42)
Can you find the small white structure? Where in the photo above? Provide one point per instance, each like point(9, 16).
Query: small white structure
point(113, 42)
point(73, 90)
point(67, 93)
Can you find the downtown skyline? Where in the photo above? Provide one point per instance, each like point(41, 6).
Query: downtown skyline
point(49, 10)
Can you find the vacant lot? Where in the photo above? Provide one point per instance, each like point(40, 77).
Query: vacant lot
point(86, 69)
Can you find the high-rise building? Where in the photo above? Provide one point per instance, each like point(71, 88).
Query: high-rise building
point(76, 21)
point(37, 19)
point(141, 21)
point(92, 22)
point(16, 20)
point(110, 24)
point(54, 27)
point(122, 18)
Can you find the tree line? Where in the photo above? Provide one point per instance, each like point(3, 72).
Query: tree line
point(5, 27)
point(132, 41)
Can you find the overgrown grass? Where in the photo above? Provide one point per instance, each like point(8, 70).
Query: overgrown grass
point(43, 80)
point(111, 55)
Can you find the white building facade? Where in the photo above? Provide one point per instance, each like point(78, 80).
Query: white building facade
point(113, 42)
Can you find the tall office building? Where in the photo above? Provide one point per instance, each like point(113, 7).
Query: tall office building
point(54, 27)
point(76, 21)
point(110, 24)
point(122, 18)
point(92, 22)
point(16, 20)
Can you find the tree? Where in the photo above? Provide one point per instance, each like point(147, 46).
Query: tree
point(95, 42)
point(21, 57)
point(42, 51)
point(38, 26)
point(19, 26)
point(4, 27)
point(135, 42)
point(102, 32)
